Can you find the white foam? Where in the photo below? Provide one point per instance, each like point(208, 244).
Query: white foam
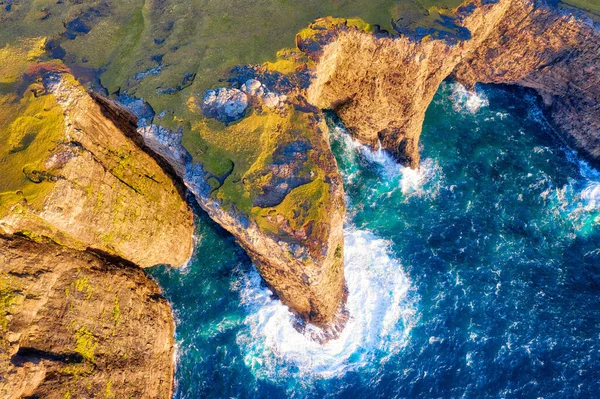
point(382, 310)
point(591, 193)
point(410, 181)
point(466, 100)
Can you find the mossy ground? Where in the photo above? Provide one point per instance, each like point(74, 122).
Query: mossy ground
point(30, 128)
point(590, 7)
point(241, 152)
point(147, 48)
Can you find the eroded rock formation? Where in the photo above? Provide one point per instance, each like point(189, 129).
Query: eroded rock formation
point(74, 325)
point(381, 86)
point(82, 205)
point(72, 175)
point(293, 230)
point(558, 55)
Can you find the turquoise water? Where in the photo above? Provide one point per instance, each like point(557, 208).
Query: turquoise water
point(476, 277)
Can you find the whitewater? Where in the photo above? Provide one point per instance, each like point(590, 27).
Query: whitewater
point(475, 276)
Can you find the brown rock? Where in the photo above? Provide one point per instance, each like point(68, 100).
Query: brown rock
point(94, 187)
point(381, 87)
point(74, 325)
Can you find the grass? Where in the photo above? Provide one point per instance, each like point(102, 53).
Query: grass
point(303, 205)
point(14, 59)
point(30, 126)
point(590, 7)
point(30, 129)
point(205, 37)
point(244, 150)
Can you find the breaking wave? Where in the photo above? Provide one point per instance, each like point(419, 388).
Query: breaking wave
point(466, 100)
point(382, 307)
point(392, 174)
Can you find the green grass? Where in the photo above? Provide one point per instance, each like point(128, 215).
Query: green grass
point(29, 129)
point(591, 7)
point(303, 205)
point(247, 147)
point(208, 38)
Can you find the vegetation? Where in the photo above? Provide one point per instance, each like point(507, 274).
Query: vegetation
point(116, 313)
point(590, 7)
point(30, 127)
point(170, 52)
point(7, 299)
point(86, 344)
point(303, 205)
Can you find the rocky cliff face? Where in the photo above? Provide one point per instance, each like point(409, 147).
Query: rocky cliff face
point(78, 195)
point(293, 225)
point(74, 325)
point(74, 177)
point(381, 87)
point(558, 55)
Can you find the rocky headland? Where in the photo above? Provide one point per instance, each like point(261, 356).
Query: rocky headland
point(99, 181)
point(381, 86)
point(82, 209)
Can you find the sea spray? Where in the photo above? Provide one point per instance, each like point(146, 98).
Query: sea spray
point(393, 175)
point(382, 307)
point(464, 100)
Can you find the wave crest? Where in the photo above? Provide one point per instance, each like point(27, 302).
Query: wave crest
point(382, 308)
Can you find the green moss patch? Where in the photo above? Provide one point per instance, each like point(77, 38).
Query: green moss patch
point(86, 344)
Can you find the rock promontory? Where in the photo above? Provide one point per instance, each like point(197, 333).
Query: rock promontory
point(83, 204)
point(71, 174)
point(381, 86)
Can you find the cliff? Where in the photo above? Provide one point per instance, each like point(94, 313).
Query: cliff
point(279, 193)
point(74, 325)
point(70, 174)
point(555, 53)
point(82, 205)
point(381, 86)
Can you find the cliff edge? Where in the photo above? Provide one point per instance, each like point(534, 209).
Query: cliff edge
point(381, 86)
point(82, 205)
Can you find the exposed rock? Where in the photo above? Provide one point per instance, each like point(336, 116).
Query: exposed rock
point(73, 325)
point(555, 53)
point(255, 88)
point(225, 105)
point(294, 232)
point(91, 187)
point(381, 87)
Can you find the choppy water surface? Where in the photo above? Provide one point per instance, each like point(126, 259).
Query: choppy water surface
point(477, 276)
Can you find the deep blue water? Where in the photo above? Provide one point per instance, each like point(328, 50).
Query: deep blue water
point(476, 277)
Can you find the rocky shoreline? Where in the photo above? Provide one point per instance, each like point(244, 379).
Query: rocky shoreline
point(381, 87)
point(82, 210)
point(95, 188)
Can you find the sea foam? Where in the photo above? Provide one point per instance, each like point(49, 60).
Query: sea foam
point(382, 307)
point(393, 175)
point(464, 100)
